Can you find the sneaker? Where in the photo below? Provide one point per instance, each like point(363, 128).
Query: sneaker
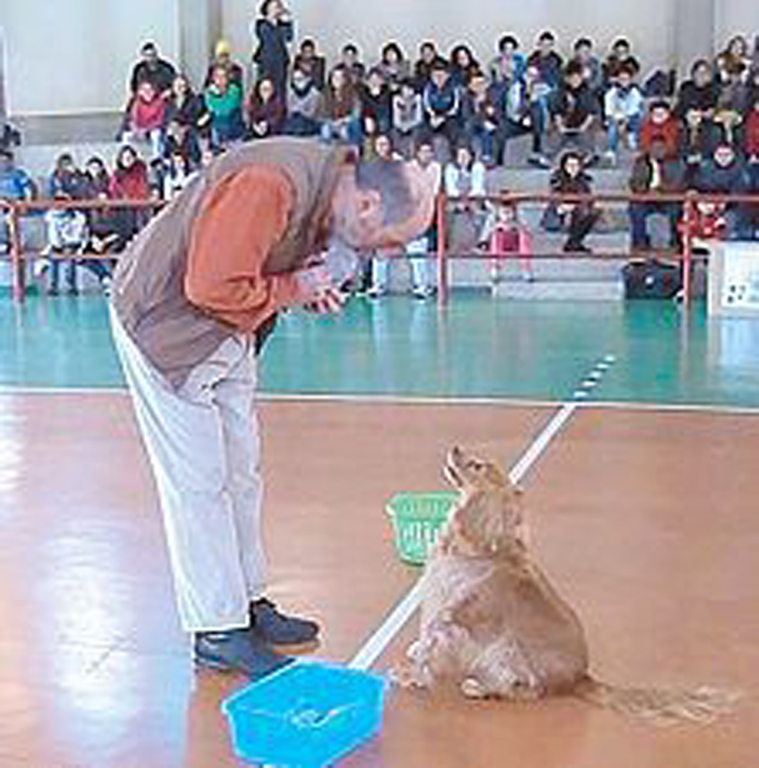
point(610, 158)
point(375, 293)
point(423, 293)
point(40, 268)
point(105, 286)
point(273, 627)
point(236, 650)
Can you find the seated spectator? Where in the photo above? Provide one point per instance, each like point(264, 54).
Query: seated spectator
point(574, 109)
point(483, 121)
point(152, 69)
point(351, 63)
point(145, 119)
point(735, 59)
point(177, 174)
point(376, 104)
point(187, 122)
point(577, 218)
point(522, 104)
point(394, 66)
point(660, 125)
point(510, 61)
point(129, 181)
point(697, 97)
point(592, 69)
point(441, 100)
point(103, 223)
point(273, 31)
point(548, 63)
point(311, 64)
point(340, 108)
point(655, 170)
point(266, 110)
point(623, 107)
point(303, 99)
point(465, 178)
point(463, 65)
point(224, 103)
point(15, 184)
point(428, 55)
point(724, 173)
point(408, 118)
point(620, 56)
point(696, 102)
point(223, 58)
point(67, 230)
point(733, 90)
point(505, 236)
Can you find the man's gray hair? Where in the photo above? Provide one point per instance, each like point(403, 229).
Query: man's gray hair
point(387, 177)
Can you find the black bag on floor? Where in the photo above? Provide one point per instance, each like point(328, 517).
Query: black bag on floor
point(651, 279)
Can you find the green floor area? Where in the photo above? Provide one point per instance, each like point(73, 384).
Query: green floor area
point(476, 347)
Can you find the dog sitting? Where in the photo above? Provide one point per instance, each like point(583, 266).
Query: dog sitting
point(492, 623)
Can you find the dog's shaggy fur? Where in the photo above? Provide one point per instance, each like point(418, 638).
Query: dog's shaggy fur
point(492, 624)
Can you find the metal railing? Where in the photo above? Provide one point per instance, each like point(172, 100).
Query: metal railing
point(13, 211)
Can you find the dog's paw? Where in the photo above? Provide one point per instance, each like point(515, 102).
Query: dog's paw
point(407, 678)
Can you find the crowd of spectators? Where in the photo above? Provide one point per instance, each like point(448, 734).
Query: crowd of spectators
point(452, 112)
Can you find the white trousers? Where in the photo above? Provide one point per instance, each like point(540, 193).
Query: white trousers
point(203, 445)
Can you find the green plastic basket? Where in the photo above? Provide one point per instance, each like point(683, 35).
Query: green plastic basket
point(417, 519)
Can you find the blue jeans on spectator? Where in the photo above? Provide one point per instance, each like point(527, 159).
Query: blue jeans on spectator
point(633, 132)
point(639, 213)
point(347, 129)
point(485, 141)
point(226, 130)
point(300, 125)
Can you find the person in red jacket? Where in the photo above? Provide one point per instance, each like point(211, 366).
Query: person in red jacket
point(661, 125)
point(146, 117)
point(129, 181)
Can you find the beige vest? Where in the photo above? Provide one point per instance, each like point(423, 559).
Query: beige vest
point(148, 289)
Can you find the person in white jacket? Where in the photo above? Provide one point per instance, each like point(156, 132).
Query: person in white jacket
point(623, 106)
point(421, 251)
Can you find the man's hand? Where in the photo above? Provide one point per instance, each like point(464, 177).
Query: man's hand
point(331, 301)
point(317, 290)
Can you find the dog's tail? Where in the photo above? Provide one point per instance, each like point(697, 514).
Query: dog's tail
point(659, 707)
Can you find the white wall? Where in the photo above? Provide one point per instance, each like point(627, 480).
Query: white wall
point(736, 17)
point(76, 55)
point(648, 23)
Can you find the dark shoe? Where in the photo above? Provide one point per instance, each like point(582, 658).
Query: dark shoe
point(273, 627)
point(236, 650)
point(576, 248)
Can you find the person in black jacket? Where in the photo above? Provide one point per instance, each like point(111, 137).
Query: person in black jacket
point(311, 63)
point(376, 104)
point(575, 111)
point(153, 69)
point(274, 31)
point(724, 173)
point(577, 218)
point(187, 121)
